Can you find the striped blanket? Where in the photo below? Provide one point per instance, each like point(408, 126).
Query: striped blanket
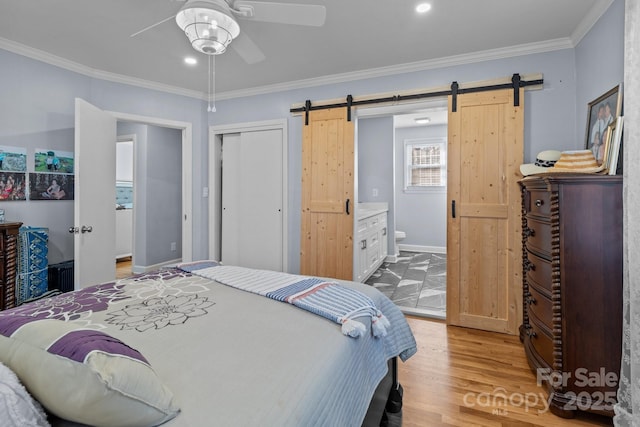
point(327, 299)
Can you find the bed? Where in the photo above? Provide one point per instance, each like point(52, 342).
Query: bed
point(180, 348)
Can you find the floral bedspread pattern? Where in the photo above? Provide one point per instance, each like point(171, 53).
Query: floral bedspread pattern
point(142, 302)
point(160, 312)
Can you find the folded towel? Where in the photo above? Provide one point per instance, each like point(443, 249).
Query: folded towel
point(325, 298)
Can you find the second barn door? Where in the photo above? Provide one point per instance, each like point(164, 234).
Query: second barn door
point(484, 240)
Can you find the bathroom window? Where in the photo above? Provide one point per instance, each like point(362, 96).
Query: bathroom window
point(425, 164)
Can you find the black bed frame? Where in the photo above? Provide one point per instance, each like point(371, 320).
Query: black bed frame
point(386, 399)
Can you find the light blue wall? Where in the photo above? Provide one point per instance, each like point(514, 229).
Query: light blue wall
point(375, 159)
point(163, 186)
point(375, 165)
point(422, 216)
point(36, 110)
point(599, 63)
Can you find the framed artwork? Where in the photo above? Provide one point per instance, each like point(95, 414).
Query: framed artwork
point(13, 158)
point(601, 112)
point(53, 161)
point(614, 137)
point(12, 186)
point(51, 186)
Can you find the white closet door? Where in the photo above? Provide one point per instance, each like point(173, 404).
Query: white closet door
point(252, 199)
point(231, 209)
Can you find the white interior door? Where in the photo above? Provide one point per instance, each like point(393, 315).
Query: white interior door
point(252, 199)
point(94, 210)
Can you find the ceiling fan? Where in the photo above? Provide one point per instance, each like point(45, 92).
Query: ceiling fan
point(211, 25)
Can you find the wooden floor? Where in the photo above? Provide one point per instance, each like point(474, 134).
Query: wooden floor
point(452, 379)
point(123, 268)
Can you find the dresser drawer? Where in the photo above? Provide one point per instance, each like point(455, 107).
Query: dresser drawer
point(540, 306)
point(539, 270)
point(541, 342)
point(538, 203)
point(538, 236)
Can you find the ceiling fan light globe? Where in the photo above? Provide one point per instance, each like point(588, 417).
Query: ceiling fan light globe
point(209, 47)
point(208, 29)
point(207, 40)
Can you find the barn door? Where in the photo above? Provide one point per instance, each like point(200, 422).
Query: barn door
point(484, 241)
point(326, 247)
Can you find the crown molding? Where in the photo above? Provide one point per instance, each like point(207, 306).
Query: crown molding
point(596, 12)
point(464, 59)
point(456, 60)
point(76, 67)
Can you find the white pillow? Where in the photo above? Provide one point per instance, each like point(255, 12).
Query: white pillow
point(85, 375)
point(17, 407)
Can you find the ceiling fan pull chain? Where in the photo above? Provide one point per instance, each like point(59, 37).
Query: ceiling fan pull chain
point(209, 84)
point(212, 85)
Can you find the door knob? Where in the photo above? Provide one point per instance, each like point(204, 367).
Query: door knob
point(73, 230)
point(86, 229)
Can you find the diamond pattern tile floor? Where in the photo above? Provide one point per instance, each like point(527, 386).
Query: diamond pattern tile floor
point(416, 283)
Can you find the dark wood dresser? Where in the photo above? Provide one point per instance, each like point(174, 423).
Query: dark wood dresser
point(8, 263)
point(572, 284)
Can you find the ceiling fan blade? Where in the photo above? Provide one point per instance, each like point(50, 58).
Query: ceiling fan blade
point(282, 13)
point(151, 26)
point(247, 49)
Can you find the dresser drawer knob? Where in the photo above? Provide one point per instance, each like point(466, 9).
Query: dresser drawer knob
point(529, 266)
point(531, 333)
point(531, 300)
point(539, 202)
point(529, 232)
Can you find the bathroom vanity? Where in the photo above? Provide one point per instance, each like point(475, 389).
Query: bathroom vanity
point(370, 239)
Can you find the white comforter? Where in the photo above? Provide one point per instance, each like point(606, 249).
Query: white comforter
point(233, 358)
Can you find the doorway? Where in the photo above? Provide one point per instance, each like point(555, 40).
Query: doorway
point(148, 220)
point(184, 139)
point(413, 276)
point(125, 161)
point(94, 213)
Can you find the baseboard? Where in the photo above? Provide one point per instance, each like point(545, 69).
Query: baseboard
point(419, 248)
point(137, 269)
point(423, 312)
point(415, 248)
point(391, 258)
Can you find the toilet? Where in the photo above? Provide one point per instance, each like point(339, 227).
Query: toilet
point(400, 235)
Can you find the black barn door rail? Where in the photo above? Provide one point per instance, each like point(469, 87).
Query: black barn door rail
point(516, 84)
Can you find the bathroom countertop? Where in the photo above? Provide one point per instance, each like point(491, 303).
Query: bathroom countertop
point(366, 210)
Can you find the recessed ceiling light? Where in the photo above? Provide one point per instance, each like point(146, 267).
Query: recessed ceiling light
point(190, 60)
point(423, 7)
point(422, 120)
